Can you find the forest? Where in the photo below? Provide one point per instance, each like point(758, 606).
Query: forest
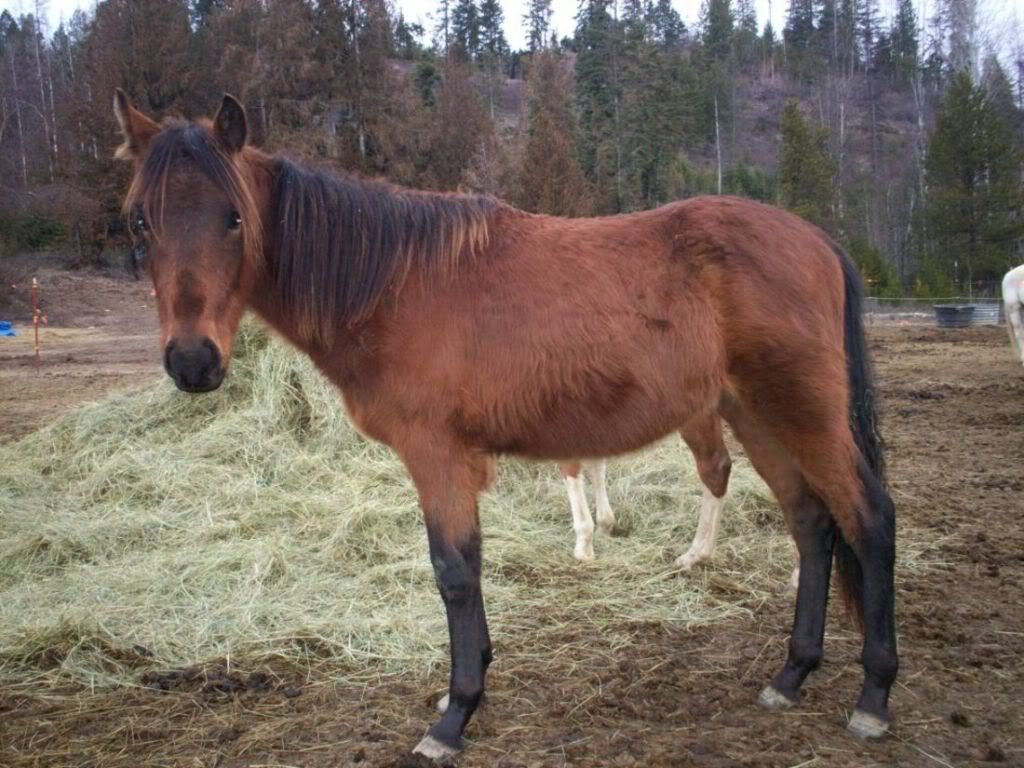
point(904, 140)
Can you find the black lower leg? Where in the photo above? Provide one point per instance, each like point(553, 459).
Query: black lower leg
point(877, 551)
point(457, 570)
point(815, 532)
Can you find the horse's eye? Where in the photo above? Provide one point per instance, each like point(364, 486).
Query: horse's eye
point(234, 220)
point(140, 223)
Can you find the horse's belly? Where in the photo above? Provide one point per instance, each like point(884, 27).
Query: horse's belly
point(593, 424)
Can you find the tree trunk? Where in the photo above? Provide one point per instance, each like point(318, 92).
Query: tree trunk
point(360, 124)
point(42, 89)
point(718, 146)
point(17, 116)
point(53, 112)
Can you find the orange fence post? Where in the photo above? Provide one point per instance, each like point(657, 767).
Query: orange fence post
point(35, 316)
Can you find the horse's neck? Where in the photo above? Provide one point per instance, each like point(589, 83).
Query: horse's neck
point(343, 367)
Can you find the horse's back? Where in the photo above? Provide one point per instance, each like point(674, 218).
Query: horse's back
point(593, 337)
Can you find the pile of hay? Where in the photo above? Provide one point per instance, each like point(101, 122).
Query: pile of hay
point(158, 529)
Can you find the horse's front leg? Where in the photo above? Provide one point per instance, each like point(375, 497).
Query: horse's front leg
point(448, 483)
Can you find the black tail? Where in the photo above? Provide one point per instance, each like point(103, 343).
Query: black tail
point(863, 423)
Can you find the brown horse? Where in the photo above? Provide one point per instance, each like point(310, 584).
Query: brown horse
point(458, 328)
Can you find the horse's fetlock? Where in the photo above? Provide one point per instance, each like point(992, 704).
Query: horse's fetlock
point(805, 653)
point(881, 663)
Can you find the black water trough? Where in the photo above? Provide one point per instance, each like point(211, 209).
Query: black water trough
point(953, 315)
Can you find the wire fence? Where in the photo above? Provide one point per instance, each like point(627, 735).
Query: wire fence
point(907, 310)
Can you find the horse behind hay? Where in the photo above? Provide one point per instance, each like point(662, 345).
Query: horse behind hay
point(705, 538)
point(458, 328)
point(704, 437)
point(1013, 304)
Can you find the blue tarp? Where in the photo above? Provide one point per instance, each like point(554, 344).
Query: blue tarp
point(6, 328)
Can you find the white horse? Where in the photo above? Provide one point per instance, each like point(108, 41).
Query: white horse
point(1013, 300)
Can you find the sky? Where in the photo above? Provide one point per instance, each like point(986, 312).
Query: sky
point(1002, 21)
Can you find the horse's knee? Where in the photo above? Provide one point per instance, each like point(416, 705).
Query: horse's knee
point(456, 569)
point(455, 581)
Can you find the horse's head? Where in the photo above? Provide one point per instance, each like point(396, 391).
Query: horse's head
point(194, 208)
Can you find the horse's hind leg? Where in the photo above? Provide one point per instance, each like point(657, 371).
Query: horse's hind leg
point(582, 522)
point(833, 503)
point(598, 473)
point(1015, 322)
point(875, 551)
point(704, 438)
point(813, 529)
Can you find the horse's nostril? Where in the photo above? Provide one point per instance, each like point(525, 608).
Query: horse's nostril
point(168, 350)
point(212, 351)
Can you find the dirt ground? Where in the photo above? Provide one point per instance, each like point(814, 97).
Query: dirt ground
point(952, 403)
point(100, 334)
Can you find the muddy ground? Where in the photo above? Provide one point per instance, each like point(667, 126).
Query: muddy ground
point(952, 405)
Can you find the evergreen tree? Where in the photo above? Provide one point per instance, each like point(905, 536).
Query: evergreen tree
point(443, 30)
point(717, 22)
point(598, 96)
point(867, 31)
point(465, 30)
point(493, 50)
point(666, 25)
point(805, 169)
point(406, 38)
point(798, 36)
point(975, 206)
point(827, 33)
point(999, 91)
point(904, 40)
point(492, 32)
point(550, 178)
point(745, 42)
point(458, 128)
point(538, 23)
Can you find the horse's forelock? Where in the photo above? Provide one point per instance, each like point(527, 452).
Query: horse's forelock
point(194, 144)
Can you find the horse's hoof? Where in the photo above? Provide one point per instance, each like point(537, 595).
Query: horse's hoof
point(867, 726)
point(584, 555)
point(606, 527)
point(432, 749)
point(687, 561)
point(770, 698)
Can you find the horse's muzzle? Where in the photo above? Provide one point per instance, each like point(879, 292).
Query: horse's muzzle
point(195, 366)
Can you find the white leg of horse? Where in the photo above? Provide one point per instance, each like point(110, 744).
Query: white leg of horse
point(598, 471)
point(1013, 303)
point(1016, 324)
point(703, 546)
point(582, 522)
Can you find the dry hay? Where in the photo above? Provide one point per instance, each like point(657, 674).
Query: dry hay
point(157, 529)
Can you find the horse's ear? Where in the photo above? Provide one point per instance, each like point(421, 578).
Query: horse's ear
point(136, 128)
point(229, 125)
